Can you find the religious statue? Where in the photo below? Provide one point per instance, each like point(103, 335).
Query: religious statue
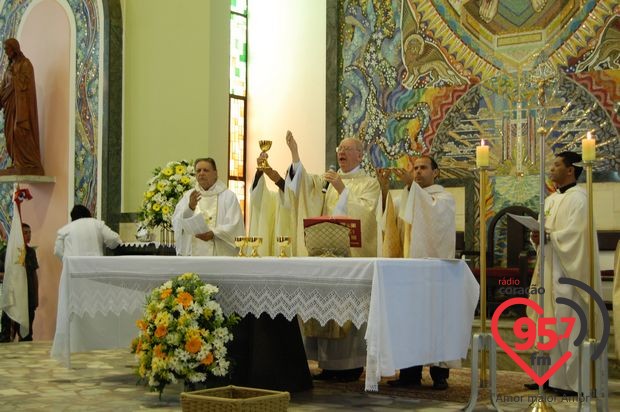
point(18, 100)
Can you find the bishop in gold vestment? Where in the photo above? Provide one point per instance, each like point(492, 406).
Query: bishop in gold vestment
point(350, 193)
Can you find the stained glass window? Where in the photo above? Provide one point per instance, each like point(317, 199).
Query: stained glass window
point(237, 97)
point(238, 187)
point(239, 6)
point(238, 54)
point(237, 133)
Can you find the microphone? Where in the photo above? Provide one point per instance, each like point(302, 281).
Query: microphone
point(332, 168)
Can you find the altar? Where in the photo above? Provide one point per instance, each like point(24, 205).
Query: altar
point(417, 311)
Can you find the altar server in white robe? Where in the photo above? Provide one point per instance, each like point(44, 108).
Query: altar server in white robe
point(566, 256)
point(341, 352)
point(208, 218)
point(85, 235)
point(420, 223)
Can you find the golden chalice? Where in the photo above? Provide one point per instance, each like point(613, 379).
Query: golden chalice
point(283, 242)
point(255, 242)
point(265, 145)
point(241, 242)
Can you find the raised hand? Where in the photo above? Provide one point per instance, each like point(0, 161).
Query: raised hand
point(404, 176)
point(194, 197)
point(334, 179)
point(383, 177)
point(261, 160)
point(292, 145)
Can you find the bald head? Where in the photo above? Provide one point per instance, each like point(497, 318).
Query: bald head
point(350, 152)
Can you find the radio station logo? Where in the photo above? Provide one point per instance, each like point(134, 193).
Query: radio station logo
point(528, 332)
point(512, 287)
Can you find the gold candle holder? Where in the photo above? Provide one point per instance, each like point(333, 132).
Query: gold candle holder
point(483, 270)
point(591, 233)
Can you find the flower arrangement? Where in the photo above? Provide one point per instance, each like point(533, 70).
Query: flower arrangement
point(183, 334)
point(165, 189)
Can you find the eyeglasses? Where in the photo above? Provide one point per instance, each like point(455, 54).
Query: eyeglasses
point(345, 149)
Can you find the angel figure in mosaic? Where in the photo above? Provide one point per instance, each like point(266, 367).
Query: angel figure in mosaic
point(422, 57)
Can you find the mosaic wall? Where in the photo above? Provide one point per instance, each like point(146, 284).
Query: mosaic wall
point(436, 77)
point(86, 14)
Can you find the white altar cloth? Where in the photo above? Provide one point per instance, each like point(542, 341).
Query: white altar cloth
point(421, 312)
point(421, 309)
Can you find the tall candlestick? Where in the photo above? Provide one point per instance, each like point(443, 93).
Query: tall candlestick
point(482, 155)
point(588, 148)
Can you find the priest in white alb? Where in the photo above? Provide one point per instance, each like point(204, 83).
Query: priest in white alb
point(341, 351)
point(207, 218)
point(566, 256)
point(419, 223)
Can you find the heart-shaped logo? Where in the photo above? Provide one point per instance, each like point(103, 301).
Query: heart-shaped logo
point(540, 380)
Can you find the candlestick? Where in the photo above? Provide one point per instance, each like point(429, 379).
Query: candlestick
point(588, 148)
point(483, 260)
point(482, 155)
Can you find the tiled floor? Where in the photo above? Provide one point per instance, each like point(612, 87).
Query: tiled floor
point(105, 381)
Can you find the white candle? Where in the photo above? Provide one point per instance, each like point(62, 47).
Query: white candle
point(588, 148)
point(482, 155)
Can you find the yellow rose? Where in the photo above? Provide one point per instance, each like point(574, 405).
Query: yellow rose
point(167, 171)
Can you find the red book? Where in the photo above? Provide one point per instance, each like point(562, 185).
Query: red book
point(354, 225)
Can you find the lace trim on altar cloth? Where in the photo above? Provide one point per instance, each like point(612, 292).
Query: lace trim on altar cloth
point(322, 303)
